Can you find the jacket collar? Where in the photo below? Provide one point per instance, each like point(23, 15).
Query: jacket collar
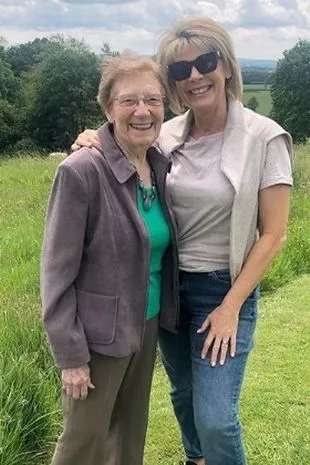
point(120, 167)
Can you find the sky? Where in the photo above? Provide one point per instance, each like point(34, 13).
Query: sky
point(259, 28)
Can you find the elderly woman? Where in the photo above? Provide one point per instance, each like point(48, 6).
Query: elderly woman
point(229, 186)
point(108, 268)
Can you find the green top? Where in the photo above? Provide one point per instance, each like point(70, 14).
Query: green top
point(159, 236)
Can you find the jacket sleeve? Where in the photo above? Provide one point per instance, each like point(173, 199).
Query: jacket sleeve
point(60, 262)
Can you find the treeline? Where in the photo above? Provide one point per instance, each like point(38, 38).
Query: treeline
point(255, 75)
point(48, 91)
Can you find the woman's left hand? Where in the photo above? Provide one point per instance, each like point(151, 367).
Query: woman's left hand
point(223, 326)
point(76, 382)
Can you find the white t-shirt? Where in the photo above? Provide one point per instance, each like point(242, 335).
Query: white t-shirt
point(202, 198)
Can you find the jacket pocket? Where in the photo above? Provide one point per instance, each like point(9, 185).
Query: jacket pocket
point(98, 315)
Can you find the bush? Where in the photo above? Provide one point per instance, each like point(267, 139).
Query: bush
point(25, 146)
point(253, 103)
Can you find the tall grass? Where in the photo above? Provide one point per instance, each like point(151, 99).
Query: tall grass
point(29, 410)
point(294, 259)
point(29, 389)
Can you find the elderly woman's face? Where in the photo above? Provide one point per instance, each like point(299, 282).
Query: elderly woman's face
point(202, 91)
point(137, 109)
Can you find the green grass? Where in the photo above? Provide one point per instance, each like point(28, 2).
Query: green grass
point(29, 410)
point(294, 259)
point(262, 95)
point(252, 87)
point(275, 407)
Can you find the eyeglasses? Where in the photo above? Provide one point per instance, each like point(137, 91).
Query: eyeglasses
point(205, 63)
point(132, 101)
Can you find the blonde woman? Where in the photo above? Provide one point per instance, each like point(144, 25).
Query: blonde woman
point(229, 186)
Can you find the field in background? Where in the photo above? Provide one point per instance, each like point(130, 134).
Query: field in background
point(275, 408)
point(248, 87)
point(262, 95)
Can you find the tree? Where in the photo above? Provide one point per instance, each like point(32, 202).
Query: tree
point(255, 75)
point(48, 91)
point(10, 99)
point(24, 57)
point(253, 103)
point(10, 85)
point(106, 51)
point(3, 44)
point(64, 98)
point(290, 91)
point(10, 123)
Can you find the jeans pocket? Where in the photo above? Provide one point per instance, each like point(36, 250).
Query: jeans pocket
point(222, 276)
point(249, 310)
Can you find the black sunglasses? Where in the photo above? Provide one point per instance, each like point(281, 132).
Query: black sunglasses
point(205, 63)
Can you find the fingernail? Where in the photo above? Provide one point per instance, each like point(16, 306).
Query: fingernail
point(233, 354)
point(199, 330)
point(221, 362)
point(213, 364)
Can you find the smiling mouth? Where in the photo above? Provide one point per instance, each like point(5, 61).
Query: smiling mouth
point(141, 126)
point(201, 90)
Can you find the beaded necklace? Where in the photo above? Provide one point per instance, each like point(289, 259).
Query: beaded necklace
point(149, 194)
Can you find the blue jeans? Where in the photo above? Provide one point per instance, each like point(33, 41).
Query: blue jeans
point(206, 399)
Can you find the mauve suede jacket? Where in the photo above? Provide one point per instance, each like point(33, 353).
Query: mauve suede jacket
point(95, 257)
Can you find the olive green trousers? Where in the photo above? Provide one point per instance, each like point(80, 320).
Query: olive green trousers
point(109, 427)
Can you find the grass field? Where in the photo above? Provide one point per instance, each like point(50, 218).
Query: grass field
point(275, 403)
point(248, 87)
point(275, 408)
point(262, 95)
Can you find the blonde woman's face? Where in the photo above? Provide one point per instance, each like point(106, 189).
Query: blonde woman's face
point(202, 91)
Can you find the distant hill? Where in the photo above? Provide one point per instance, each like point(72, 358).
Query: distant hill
point(249, 63)
point(255, 63)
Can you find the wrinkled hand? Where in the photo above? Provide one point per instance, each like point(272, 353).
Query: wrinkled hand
point(223, 326)
point(76, 382)
point(87, 138)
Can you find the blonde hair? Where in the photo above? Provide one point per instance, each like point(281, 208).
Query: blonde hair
point(208, 36)
point(124, 65)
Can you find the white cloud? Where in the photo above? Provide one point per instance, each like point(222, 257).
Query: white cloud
point(260, 28)
point(266, 43)
point(111, 2)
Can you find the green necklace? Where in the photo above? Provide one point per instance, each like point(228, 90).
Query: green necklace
point(149, 194)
